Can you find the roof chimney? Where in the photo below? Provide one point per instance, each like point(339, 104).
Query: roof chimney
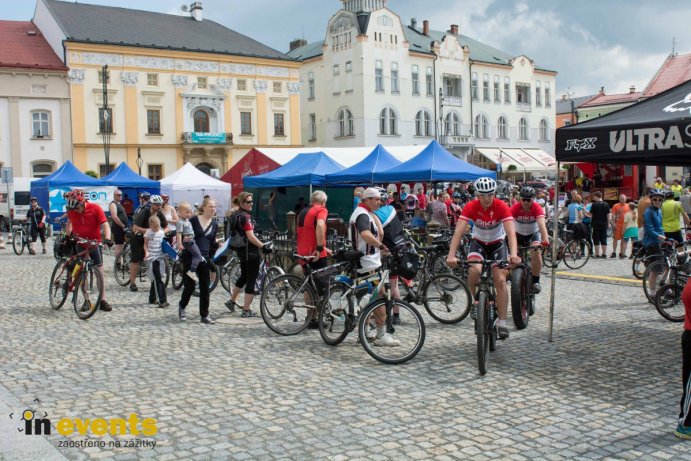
point(425, 27)
point(196, 10)
point(297, 43)
point(632, 89)
point(602, 90)
point(413, 23)
point(454, 29)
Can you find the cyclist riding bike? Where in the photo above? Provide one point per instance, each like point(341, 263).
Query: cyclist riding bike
point(87, 220)
point(653, 233)
point(493, 223)
point(531, 230)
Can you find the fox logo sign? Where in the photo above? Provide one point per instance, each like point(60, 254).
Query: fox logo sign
point(580, 144)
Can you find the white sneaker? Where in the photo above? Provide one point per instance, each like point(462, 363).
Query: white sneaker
point(387, 340)
point(193, 276)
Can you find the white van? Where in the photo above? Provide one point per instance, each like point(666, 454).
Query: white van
point(15, 204)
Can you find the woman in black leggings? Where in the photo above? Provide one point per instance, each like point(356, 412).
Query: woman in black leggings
point(249, 256)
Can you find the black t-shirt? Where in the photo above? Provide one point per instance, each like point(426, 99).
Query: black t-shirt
point(599, 212)
point(35, 216)
point(142, 218)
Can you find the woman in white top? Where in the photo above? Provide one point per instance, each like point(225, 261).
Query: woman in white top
point(171, 217)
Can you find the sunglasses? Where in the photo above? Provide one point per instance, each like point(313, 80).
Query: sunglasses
point(656, 200)
point(526, 200)
point(249, 202)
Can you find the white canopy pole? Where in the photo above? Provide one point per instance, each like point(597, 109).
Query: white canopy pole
point(555, 249)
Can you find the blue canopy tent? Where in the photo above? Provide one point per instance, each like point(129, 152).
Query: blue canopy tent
point(433, 164)
point(303, 170)
point(362, 173)
point(130, 183)
point(48, 190)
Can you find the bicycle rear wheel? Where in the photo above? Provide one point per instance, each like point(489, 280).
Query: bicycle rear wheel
point(176, 274)
point(576, 254)
point(482, 332)
point(662, 275)
point(59, 285)
point(520, 297)
point(18, 242)
point(87, 293)
point(287, 305)
point(409, 333)
point(335, 318)
point(447, 298)
point(548, 258)
point(121, 268)
point(668, 302)
point(638, 263)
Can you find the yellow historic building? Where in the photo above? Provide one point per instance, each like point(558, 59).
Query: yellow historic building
point(179, 88)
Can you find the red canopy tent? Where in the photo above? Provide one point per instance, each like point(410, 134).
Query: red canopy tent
point(253, 163)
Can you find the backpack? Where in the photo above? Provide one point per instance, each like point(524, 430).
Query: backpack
point(237, 240)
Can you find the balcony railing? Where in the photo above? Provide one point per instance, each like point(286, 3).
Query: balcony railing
point(190, 137)
point(523, 107)
point(452, 101)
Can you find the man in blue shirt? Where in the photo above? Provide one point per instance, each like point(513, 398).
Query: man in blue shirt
point(653, 233)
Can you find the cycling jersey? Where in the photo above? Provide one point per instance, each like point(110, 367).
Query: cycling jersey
point(489, 223)
point(87, 224)
point(526, 221)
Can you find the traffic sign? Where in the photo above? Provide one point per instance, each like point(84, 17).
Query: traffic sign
point(6, 175)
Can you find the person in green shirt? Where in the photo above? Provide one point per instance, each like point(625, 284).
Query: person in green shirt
point(677, 189)
point(671, 212)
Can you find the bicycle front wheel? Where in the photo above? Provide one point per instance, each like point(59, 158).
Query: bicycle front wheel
point(18, 242)
point(87, 293)
point(405, 339)
point(668, 302)
point(59, 285)
point(335, 318)
point(520, 297)
point(576, 254)
point(482, 332)
point(447, 298)
point(121, 268)
point(176, 274)
point(660, 274)
point(287, 305)
point(638, 263)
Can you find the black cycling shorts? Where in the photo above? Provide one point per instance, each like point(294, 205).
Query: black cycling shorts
point(675, 236)
point(526, 240)
point(600, 236)
point(118, 234)
point(482, 251)
point(137, 249)
point(96, 256)
point(38, 232)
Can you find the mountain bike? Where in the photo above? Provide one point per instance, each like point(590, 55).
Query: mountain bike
point(670, 268)
point(21, 237)
point(266, 273)
point(574, 252)
point(121, 265)
point(76, 274)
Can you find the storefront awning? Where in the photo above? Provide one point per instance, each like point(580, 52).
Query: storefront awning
point(523, 159)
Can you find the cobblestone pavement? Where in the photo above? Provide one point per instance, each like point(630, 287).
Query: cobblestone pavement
point(607, 387)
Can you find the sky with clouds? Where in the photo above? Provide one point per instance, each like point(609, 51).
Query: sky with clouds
point(591, 43)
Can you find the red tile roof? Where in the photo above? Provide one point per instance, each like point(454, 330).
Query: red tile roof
point(674, 71)
point(22, 49)
point(606, 99)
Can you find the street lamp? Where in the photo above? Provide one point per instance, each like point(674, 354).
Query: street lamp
point(106, 132)
point(140, 160)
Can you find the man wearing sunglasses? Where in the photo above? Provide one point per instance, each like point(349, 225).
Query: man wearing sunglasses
point(531, 230)
point(653, 233)
point(493, 225)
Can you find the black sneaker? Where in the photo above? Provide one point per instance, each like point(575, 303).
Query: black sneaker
point(313, 325)
point(231, 305)
point(207, 320)
point(105, 306)
point(44, 251)
point(622, 256)
point(133, 287)
point(396, 319)
point(536, 288)
point(503, 333)
point(181, 313)
point(246, 314)
point(613, 255)
point(164, 304)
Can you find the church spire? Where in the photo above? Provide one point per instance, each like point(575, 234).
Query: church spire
point(357, 6)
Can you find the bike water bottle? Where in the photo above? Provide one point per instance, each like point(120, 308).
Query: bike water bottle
point(364, 301)
point(75, 271)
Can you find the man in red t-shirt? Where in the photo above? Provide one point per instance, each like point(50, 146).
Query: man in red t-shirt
point(421, 199)
point(87, 220)
point(684, 425)
point(311, 230)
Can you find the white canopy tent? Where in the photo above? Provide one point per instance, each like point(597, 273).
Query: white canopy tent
point(188, 184)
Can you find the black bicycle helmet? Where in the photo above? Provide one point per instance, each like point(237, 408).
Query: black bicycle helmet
point(456, 195)
point(145, 195)
point(527, 192)
point(669, 193)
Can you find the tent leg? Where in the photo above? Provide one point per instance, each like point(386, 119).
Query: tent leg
point(555, 246)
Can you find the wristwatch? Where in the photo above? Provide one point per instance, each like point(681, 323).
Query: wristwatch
point(320, 248)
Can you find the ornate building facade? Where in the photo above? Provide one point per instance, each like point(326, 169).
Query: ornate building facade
point(179, 88)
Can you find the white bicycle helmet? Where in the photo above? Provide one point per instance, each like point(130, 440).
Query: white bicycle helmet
point(156, 200)
point(485, 186)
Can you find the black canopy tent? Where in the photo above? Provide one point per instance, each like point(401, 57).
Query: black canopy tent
point(656, 131)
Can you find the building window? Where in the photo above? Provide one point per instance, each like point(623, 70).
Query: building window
point(548, 96)
point(40, 124)
point(40, 170)
point(497, 97)
point(279, 125)
point(105, 121)
point(105, 170)
point(485, 88)
point(100, 76)
point(502, 128)
point(242, 85)
point(507, 90)
point(388, 122)
point(349, 66)
point(544, 131)
point(379, 76)
point(155, 171)
point(538, 95)
point(345, 123)
point(201, 83)
point(310, 84)
point(522, 93)
point(523, 129)
point(415, 79)
point(423, 124)
point(152, 79)
point(481, 127)
point(313, 127)
point(277, 87)
point(452, 124)
point(453, 85)
point(246, 123)
point(394, 78)
point(201, 121)
point(336, 69)
point(428, 81)
point(567, 122)
point(153, 120)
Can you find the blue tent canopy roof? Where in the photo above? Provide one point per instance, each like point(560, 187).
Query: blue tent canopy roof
point(363, 172)
point(67, 175)
point(434, 163)
point(124, 176)
point(304, 170)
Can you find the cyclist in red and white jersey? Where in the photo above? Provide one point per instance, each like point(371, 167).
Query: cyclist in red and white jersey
point(493, 223)
point(531, 230)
